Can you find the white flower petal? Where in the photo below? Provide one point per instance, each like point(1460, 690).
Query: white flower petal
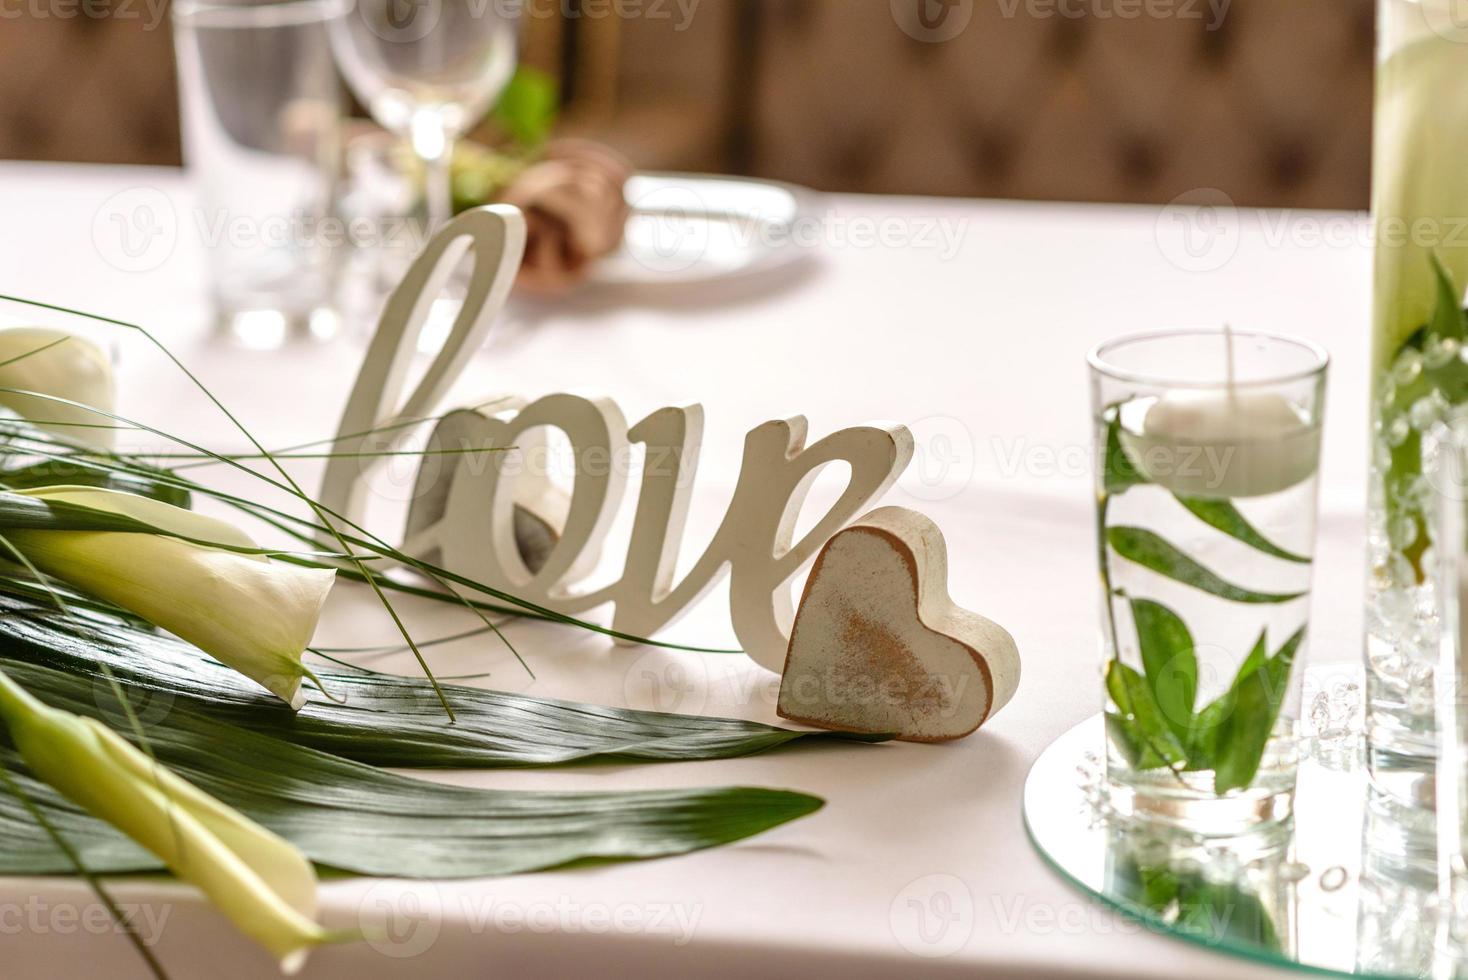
point(76, 370)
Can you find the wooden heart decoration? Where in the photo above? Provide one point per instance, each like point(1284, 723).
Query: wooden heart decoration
point(878, 646)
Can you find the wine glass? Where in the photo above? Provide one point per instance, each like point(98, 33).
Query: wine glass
point(428, 70)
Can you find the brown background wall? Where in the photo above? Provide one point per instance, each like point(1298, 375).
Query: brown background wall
point(1270, 103)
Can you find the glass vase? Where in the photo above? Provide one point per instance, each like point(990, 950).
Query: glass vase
point(1419, 376)
point(1208, 449)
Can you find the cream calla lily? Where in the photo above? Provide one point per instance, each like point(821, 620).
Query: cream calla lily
point(1421, 184)
point(62, 365)
point(248, 612)
point(259, 881)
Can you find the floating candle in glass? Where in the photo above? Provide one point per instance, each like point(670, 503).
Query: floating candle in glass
point(1209, 450)
point(1233, 441)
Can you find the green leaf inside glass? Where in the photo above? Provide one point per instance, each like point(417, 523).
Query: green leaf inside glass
point(1153, 719)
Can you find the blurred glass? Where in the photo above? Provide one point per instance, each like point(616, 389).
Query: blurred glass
point(428, 71)
point(1445, 454)
point(262, 111)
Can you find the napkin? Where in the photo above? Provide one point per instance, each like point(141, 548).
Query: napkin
point(575, 212)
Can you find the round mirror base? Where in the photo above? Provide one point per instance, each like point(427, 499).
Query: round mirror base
point(1347, 886)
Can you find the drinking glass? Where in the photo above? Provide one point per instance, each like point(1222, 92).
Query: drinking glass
point(429, 70)
point(1208, 458)
point(261, 110)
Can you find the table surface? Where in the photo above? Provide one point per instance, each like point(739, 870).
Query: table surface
point(919, 864)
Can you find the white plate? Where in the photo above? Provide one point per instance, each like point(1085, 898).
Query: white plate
point(689, 228)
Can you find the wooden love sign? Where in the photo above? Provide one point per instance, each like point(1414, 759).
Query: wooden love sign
point(471, 519)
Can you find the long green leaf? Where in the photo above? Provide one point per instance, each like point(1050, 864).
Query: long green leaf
point(1168, 660)
point(1246, 731)
point(1151, 551)
point(1208, 725)
point(1448, 321)
point(355, 818)
point(1118, 475)
point(385, 721)
point(1225, 517)
point(1147, 735)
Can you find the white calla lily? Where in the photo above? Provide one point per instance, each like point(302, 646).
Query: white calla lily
point(62, 365)
point(261, 882)
point(248, 612)
point(1420, 184)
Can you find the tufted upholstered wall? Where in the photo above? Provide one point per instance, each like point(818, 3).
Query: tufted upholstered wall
point(93, 89)
point(1270, 103)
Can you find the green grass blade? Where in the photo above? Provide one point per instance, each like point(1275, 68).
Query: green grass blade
point(373, 543)
point(56, 473)
point(32, 353)
point(295, 488)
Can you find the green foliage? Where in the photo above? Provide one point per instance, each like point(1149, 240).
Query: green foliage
point(314, 777)
point(1446, 378)
point(1156, 725)
point(528, 108)
point(379, 720)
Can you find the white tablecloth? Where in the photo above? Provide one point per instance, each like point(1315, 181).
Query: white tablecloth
point(918, 865)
